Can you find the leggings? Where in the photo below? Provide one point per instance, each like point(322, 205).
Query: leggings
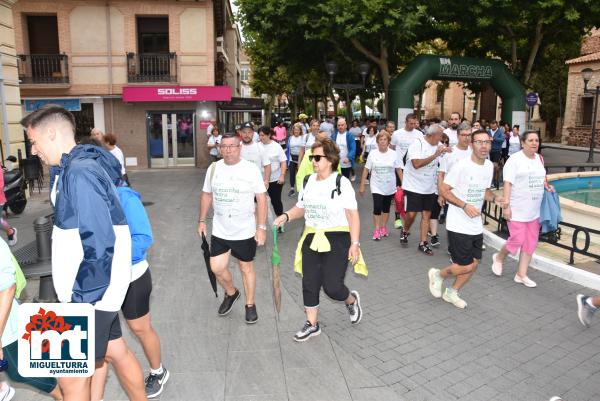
point(381, 203)
point(275, 195)
point(325, 269)
point(293, 169)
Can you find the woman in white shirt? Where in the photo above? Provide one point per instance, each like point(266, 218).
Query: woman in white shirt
point(330, 238)
point(383, 166)
point(294, 152)
point(276, 155)
point(213, 144)
point(524, 183)
point(110, 142)
point(514, 142)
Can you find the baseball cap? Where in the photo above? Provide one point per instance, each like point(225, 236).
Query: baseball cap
point(247, 124)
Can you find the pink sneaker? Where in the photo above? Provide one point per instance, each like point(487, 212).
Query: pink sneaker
point(383, 231)
point(526, 281)
point(496, 266)
point(376, 234)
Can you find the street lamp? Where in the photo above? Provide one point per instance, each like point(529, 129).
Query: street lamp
point(363, 69)
point(586, 74)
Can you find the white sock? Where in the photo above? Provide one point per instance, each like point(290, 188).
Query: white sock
point(158, 371)
point(589, 302)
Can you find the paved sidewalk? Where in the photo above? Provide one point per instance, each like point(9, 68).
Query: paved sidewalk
point(511, 343)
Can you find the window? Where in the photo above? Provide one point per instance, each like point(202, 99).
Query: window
point(586, 111)
point(245, 74)
point(153, 34)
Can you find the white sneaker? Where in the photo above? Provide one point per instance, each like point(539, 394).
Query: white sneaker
point(435, 282)
point(12, 239)
point(453, 298)
point(6, 392)
point(526, 281)
point(496, 266)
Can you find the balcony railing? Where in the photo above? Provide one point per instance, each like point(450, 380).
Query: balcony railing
point(152, 67)
point(43, 68)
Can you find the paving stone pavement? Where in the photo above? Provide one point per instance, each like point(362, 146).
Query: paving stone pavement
point(511, 343)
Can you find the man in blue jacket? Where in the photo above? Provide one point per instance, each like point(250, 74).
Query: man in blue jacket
point(91, 255)
point(497, 134)
point(345, 141)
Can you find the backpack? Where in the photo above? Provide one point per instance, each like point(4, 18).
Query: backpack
point(338, 183)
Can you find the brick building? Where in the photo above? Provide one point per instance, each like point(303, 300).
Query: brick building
point(152, 72)
point(579, 108)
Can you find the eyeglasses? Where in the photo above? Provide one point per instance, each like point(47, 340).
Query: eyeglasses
point(315, 157)
point(479, 142)
point(446, 142)
point(228, 147)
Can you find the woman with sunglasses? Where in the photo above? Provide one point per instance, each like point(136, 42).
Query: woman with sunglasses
point(383, 166)
point(330, 238)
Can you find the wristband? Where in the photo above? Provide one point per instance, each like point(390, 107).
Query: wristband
point(262, 227)
point(201, 220)
point(356, 243)
point(464, 206)
point(287, 216)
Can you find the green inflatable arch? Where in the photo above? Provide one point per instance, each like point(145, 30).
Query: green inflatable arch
point(426, 67)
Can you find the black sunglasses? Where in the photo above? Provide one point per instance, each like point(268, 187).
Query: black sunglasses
point(315, 157)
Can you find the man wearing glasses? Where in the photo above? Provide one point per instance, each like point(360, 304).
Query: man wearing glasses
point(230, 186)
point(465, 188)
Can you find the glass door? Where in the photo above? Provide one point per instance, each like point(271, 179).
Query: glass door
point(171, 138)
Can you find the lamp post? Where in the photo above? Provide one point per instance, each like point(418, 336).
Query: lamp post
point(363, 70)
point(587, 75)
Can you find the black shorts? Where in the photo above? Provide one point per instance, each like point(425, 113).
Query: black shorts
point(415, 202)
point(137, 300)
point(243, 250)
point(381, 203)
point(435, 211)
point(464, 247)
point(108, 328)
point(495, 156)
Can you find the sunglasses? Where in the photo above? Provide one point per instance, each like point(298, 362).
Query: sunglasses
point(315, 157)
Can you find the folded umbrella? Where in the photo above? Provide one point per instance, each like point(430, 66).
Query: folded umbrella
point(275, 261)
point(211, 275)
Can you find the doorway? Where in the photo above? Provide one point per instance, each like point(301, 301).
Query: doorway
point(171, 138)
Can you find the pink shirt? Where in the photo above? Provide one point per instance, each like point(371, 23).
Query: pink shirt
point(280, 133)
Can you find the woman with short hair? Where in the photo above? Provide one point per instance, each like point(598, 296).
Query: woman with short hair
point(330, 237)
point(294, 152)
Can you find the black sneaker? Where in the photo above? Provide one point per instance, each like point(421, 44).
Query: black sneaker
point(251, 315)
point(156, 383)
point(424, 247)
point(435, 240)
point(307, 331)
point(354, 309)
point(404, 237)
point(291, 193)
point(228, 302)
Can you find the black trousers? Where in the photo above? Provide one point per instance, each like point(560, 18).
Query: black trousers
point(325, 269)
point(293, 169)
point(346, 171)
point(275, 195)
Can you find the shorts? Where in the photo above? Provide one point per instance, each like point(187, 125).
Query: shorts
point(465, 247)
point(108, 328)
point(435, 211)
point(137, 299)
point(523, 235)
point(495, 156)
point(381, 203)
point(243, 250)
point(415, 202)
point(11, 355)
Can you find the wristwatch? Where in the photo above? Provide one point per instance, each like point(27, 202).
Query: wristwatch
point(356, 243)
point(262, 227)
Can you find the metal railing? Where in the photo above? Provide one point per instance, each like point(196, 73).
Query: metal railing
point(152, 67)
point(43, 68)
point(494, 213)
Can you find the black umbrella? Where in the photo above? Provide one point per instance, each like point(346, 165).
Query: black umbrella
point(211, 275)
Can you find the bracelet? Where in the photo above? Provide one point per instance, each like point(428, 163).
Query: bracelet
point(201, 220)
point(262, 227)
point(464, 206)
point(287, 216)
point(355, 243)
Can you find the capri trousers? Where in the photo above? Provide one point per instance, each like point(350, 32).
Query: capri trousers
point(523, 235)
point(325, 269)
point(381, 203)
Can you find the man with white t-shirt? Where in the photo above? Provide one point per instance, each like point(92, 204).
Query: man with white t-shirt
point(419, 183)
point(230, 185)
point(313, 132)
point(453, 123)
point(404, 137)
point(254, 153)
point(461, 150)
point(465, 187)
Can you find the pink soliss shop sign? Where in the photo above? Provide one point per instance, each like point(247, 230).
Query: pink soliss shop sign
point(176, 93)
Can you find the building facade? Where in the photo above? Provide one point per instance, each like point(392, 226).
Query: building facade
point(151, 72)
point(577, 126)
point(12, 138)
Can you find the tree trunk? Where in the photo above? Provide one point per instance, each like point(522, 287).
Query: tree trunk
point(315, 107)
point(419, 105)
point(537, 41)
point(363, 105)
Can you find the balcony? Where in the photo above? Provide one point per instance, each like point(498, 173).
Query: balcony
point(44, 70)
point(152, 67)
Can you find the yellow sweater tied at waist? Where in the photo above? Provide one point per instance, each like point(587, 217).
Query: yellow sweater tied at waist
point(320, 243)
